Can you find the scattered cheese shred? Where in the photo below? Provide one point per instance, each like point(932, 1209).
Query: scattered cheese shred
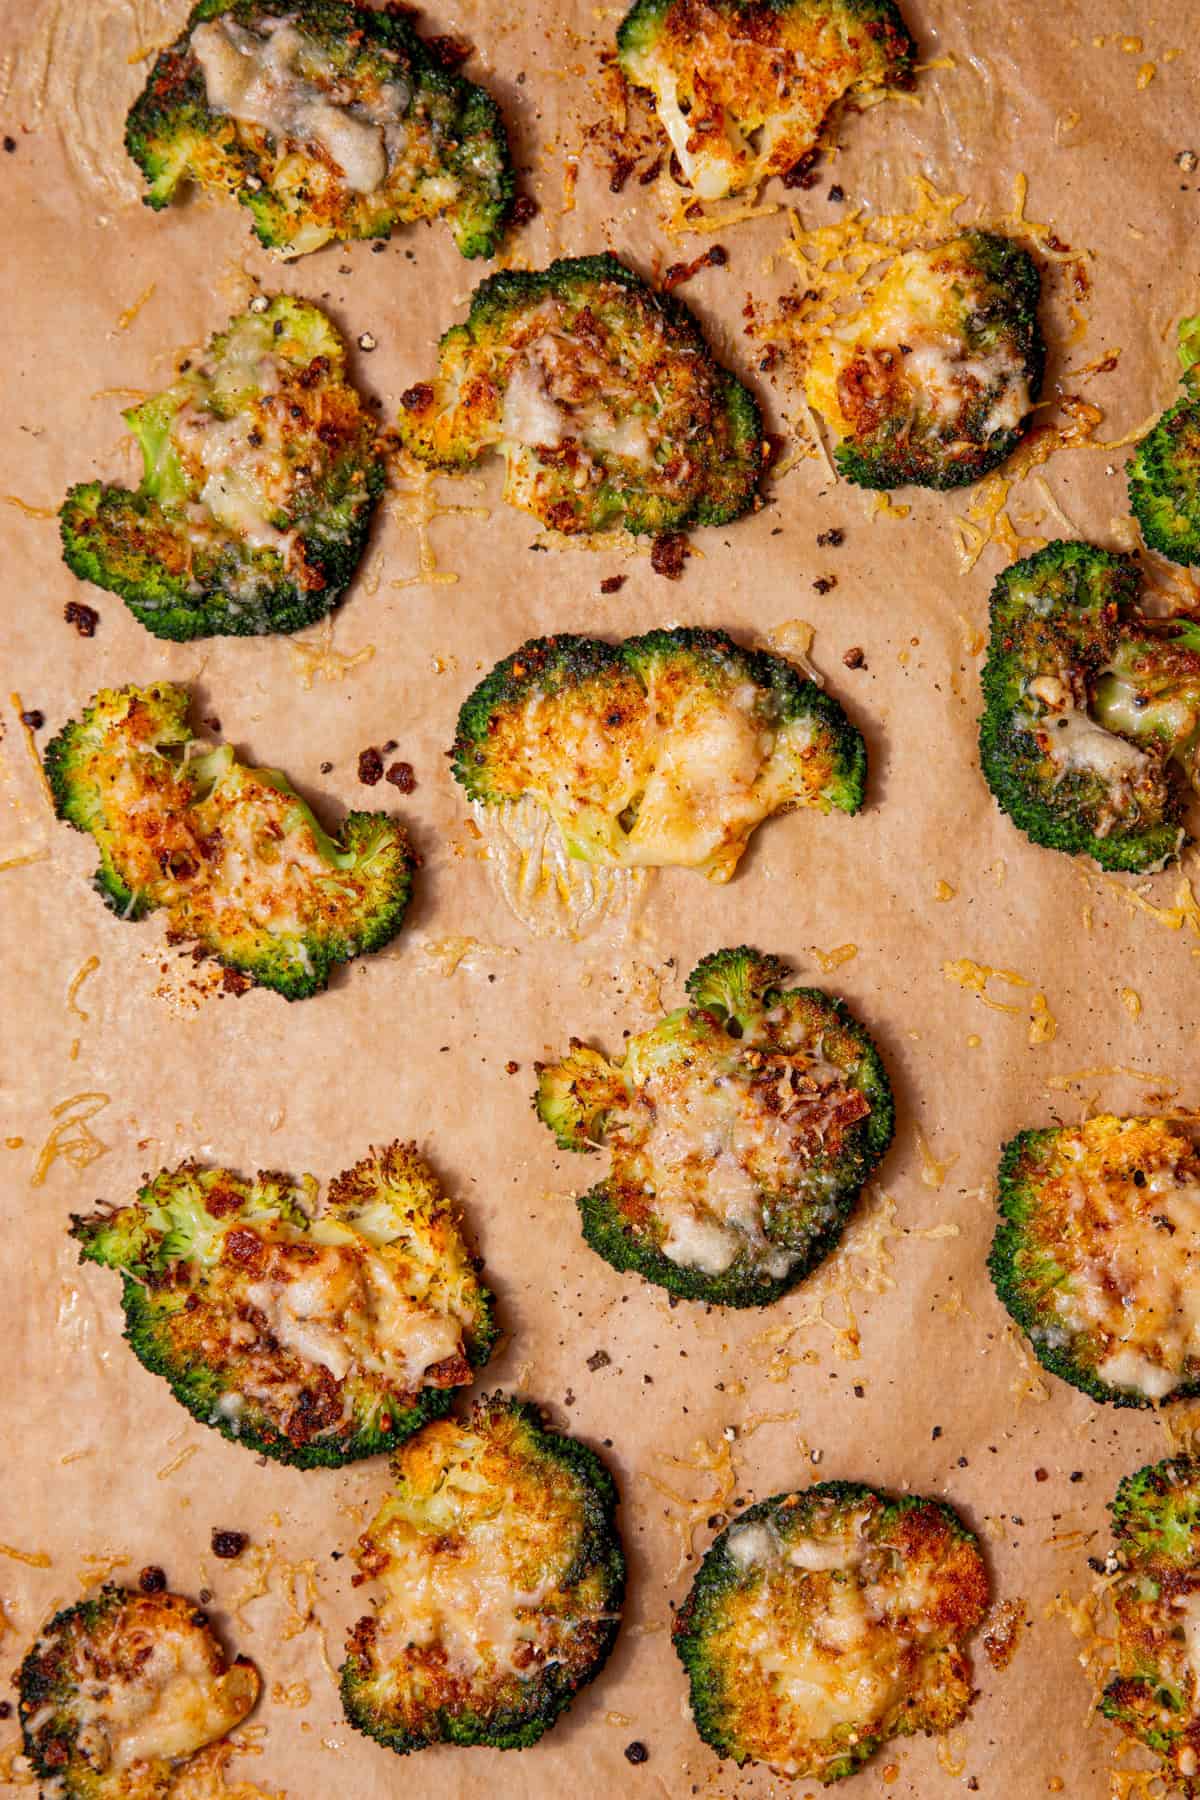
point(1028, 1383)
point(316, 656)
point(975, 977)
point(713, 1463)
point(829, 960)
point(944, 891)
point(125, 319)
point(952, 1753)
point(933, 1171)
point(176, 1463)
point(793, 639)
point(449, 954)
point(1131, 1000)
point(77, 981)
point(417, 505)
point(204, 1777)
point(31, 747)
point(24, 859)
point(72, 1137)
point(33, 1559)
point(552, 893)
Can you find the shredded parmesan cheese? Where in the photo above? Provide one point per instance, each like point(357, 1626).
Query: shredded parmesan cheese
point(316, 656)
point(552, 893)
point(829, 960)
point(72, 1138)
point(975, 977)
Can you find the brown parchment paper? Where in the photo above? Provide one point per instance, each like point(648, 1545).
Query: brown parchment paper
point(696, 1410)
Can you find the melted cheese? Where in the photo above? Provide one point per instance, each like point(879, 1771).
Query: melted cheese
point(1075, 744)
point(171, 1707)
point(1134, 1278)
point(557, 390)
point(256, 78)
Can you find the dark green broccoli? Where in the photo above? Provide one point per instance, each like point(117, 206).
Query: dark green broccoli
point(235, 858)
point(610, 409)
point(666, 749)
point(315, 1341)
point(503, 1579)
point(869, 1597)
point(741, 1129)
point(262, 470)
point(743, 87)
point(1164, 471)
point(1093, 1254)
point(1091, 710)
point(1154, 1694)
point(122, 1689)
point(327, 120)
point(932, 384)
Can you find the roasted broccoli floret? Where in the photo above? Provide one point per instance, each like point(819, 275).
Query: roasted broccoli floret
point(327, 121)
point(743, 87)
point(232, 855)
point(933, 382)
point(1164, 471)
point(314, 1340)
point(823, 1623)
point(502, 1575)
point(262, 469)
point(740, 1128)
point(608, 405)
point(1097, 1251)
point(665, 749)
point(121, 1689)
point(1091, 711)
point(1154, 1695)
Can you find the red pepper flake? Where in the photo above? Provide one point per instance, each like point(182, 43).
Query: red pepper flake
point(370, 767)
point(451, 52)
point(830, 540)
point(524, 209)
point(152, 1579)
point(825, 584)
point(233, 981)
point(854, 658)
point(803, 174)
point(417, 398)
point(35, 718)
point(84, 618)
point(228, 1545)
point(612, 584)
point(401, 776)
point(620, 169)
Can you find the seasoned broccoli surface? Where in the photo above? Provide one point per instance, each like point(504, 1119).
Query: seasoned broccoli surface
point(743, 87)
point(1164, 471)
point(1091, 710)
point(262, 470)
point(502, 1575)
point(313, 1340)
point(1155, 1693)
point(933, 382)
point(740, 1129)
point(602, 394)
point(327, 121)
point(233, 856)
point(121, 1689)
point(666, 749)
point(1097, 1255)
point(823, 1623)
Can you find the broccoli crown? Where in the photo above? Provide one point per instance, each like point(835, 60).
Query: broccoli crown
point(740, 1128)
point(665, 749)
point(1154, 1694)
point(608, 405)
point(1095, 1254)
point(315, 1341)
point(121, 1689)
point(233, 856)
point(743, 87)
point(933, 382)
point(262, 470)
point(327, 120)
point(1090, 709)
point(503, 1578)
point(896, 1583)
point(1164, 471)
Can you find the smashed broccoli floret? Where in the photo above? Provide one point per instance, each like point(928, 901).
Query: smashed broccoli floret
point(741, 1129)
point(327, 121)
point(743, 87)
point(232, 855)
point(1095, 1254)
point(1154, 1695)
point(503, 1577)
point(120, 1690)
point(868, 1597)
point(262, 470)
point(665, 749)
point(313, 1340)
point(604, 397)
point(1164, 471)
point(932, 384)
point(1091, 717)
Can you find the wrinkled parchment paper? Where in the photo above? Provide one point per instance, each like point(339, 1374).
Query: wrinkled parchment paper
point(117, 1061)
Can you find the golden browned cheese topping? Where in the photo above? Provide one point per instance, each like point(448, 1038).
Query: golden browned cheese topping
point(1118, 1215)
point(677, 772)
point(838, 1634)
point(742, 91)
